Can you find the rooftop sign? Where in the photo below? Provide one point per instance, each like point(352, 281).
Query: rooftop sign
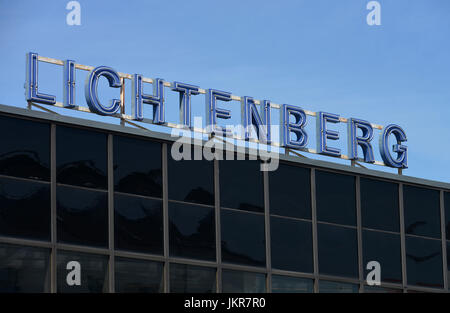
point(292, 122)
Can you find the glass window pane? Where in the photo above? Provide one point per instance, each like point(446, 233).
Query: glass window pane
point(138, 224)
point(335, 198)
point(24, 209)
point(290, 191)
point(81, 157)
point(93, 271)
point(424, 262)
point(192, 279)
point(448, 259)
point(192, 231)
point(243, 282)
point(447, 213)
point(286, 284)
point(191, 180)
point(291, 245)
point(24, 269)
point(385, 249)
point(241, 185)
point(139, 276)
point(338, 250)
point(337, 287)
point(137, 166)
point(422, 212)
point(25, 148)
point(239, 244)
point(376, 289)
point(82, 216)
point(379, 205)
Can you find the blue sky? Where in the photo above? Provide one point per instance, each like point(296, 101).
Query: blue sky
point(317, 54)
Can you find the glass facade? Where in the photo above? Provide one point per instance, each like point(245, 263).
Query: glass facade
point(136, 220)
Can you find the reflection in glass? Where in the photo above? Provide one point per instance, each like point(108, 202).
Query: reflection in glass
point(24, 209)
point(138, 224)
point(82, 216)
point(23, 269)
point(379, 205)
point(243, 282)
point(192, 279)
point(243, 238)
point(385, 249)
point(335, 198)
point(291, 245)
point(424, 262)
point(337, 287)
point(137, 166)
point(241, 185)
point(192, 231)
point(338, 250)
point(422, 212)
point(286, 284)
point(94, 274)
point(191, 180)
point(25, 148)
point(81, 158)
point(290, 191)
point(140, 276)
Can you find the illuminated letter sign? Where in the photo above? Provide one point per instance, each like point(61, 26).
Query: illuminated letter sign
point(364, 141)
point(402, 151)
point(250, 116)
point(185, 91)
point(297, 127)
point(213, 112)
point(293, 119)
point(323, 134)
point(138, 98)
point(91, 90)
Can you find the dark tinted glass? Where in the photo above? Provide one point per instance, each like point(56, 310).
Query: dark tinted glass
point(137, 166)
point(138, 276)
point(447, 213)
point(93, 270)
point(191, 180)
point(422, 213)
point(385, 249)
point(241, 185)
point(192, 279)
point(291, 245)
point(81, 157)
point(243, 238)
point(192, 231)
point(424, 262)
point(25, 148)
point(23, 269)
point(243, 282)
point(138, 224)
point(290, 191)
point(82, 216)
point(335, 198)
point(338, 250)
point(379, 205)
point(337, 287)
point(286, 284)
point(376, 289)
point(448, 259)
point(24, 209)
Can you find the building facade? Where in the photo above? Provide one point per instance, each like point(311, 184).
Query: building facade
point(112, 199)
